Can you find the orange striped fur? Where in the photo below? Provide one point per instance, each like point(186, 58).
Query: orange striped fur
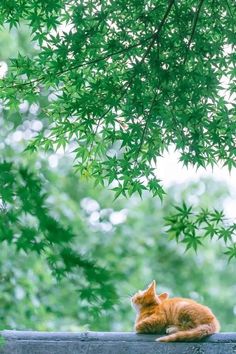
point(182, 319)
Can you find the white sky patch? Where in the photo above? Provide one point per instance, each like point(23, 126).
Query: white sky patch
point(3, 69)
point(170, 171)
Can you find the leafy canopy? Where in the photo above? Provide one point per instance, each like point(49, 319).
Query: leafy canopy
point(129, 78)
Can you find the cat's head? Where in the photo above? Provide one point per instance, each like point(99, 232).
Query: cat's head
point(147, 297)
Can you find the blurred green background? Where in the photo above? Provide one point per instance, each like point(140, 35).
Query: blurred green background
point(127, 237)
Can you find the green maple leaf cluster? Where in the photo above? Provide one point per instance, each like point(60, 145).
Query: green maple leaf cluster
point(192, 228)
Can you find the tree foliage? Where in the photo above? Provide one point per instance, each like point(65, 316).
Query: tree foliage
point(26, 222)
point(130, 79)
point(184, 223)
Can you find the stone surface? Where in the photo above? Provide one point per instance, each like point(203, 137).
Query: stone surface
point(16, 342)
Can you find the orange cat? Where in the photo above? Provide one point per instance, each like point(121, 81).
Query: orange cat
point(182, 319)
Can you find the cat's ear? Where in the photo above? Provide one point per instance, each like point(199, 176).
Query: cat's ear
point(163, 296)
point(152, 287)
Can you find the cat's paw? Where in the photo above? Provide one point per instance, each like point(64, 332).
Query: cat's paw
point(161, 339)
point(172, 329)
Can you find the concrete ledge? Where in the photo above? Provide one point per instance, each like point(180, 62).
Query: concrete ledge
point(16, 342)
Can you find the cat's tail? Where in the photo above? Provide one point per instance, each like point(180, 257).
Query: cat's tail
point(197, 333)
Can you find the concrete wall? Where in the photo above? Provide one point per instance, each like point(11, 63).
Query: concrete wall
point(15, 342)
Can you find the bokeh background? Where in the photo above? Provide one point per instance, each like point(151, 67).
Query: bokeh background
point(127, 237)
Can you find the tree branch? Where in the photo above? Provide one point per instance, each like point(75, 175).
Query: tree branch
point(195, 21)
point(145, 129)
point(77, 66)
point(230, 10)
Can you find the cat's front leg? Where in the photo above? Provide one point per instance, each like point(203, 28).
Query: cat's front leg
point(149, 325)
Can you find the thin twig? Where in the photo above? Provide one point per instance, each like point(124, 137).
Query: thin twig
point(230, 10)
point(145, 129)
point(77, 66)
point(177, 16)
point(195, 21)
